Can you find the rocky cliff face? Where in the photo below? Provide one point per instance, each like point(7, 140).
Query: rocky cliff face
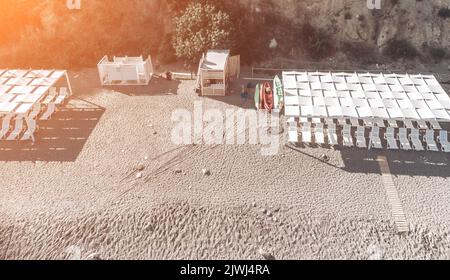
point(351, 20)
point(36, 32)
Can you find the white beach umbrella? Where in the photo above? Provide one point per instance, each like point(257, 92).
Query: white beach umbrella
point(349, 112)
point(441, 114)
point(335, 111)
point(410, 113)
point(365, 112)
point(395, 113)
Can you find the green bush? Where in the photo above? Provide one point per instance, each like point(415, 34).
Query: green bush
point(398, 48)
point(199, 28)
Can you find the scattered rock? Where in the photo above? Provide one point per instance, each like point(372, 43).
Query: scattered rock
point(206, 172)
point(275, 219)
point(140, 167)
point(139, 175)
point(146, 157)
point(93, 257)
point(178, 171)
point(324, 158)
point(266, 255)
point(264, 211)
point(254, 204)
point(269, 214)
point(155, 133)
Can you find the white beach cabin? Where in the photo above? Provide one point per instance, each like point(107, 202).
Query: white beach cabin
point(215, 70)
point(125, 71)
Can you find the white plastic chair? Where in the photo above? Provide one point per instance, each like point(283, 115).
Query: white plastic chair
point(50, 110)
point(319, 134)
point(17, 129)
point(429, 140)
point(443, 140)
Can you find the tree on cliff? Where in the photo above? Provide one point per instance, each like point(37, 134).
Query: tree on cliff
point(199, 28)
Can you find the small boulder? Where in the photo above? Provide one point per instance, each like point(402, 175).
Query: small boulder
point(266, 255)
point(206, 172)
point(94, 257)
point(140, 167)
point(139, 175)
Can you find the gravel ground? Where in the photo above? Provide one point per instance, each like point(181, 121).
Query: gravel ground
point(127, 192)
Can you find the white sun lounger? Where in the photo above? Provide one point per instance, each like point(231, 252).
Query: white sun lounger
point(319, 134)
point(31, 129)
point(403, 138)
point(443, 140)
point(306, 133)
point(392, 123)
point(379, 123)
point(316, 120)
point(332, 135)
point(293, 134)
point(414, 137)
point(422, 124)
point(329, 122)
point(61, 98)
point(361, 141)
point(408, 124)
point(341, 121)
point(51, 108)
point(375, 141)
point(354, 122)
point(304, 120)
point(390, 138)
point(347, 136)
point(17, 130)
point(36, 111)
point(50, 97)
point(435, 125)
point(368, 123)
point(6, 126)
point(431, 143)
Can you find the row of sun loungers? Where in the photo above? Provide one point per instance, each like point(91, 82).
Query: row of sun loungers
point(13, 126)
point(395, 141)
point(432, 124)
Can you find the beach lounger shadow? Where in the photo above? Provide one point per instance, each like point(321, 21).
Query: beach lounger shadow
point(60, 139)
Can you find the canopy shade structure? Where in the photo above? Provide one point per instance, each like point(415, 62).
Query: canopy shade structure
point(367, 96)
point(215, 69)
point(125, 71)
point(21, 90)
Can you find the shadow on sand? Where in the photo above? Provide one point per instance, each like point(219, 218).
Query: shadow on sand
point(157, 86)
point(429, 164)
point(60, 139)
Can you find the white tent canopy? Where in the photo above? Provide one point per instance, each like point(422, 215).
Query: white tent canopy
point(366, 95)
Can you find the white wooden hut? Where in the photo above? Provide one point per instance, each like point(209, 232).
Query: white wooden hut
point(215, 70)
point(124, 71)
